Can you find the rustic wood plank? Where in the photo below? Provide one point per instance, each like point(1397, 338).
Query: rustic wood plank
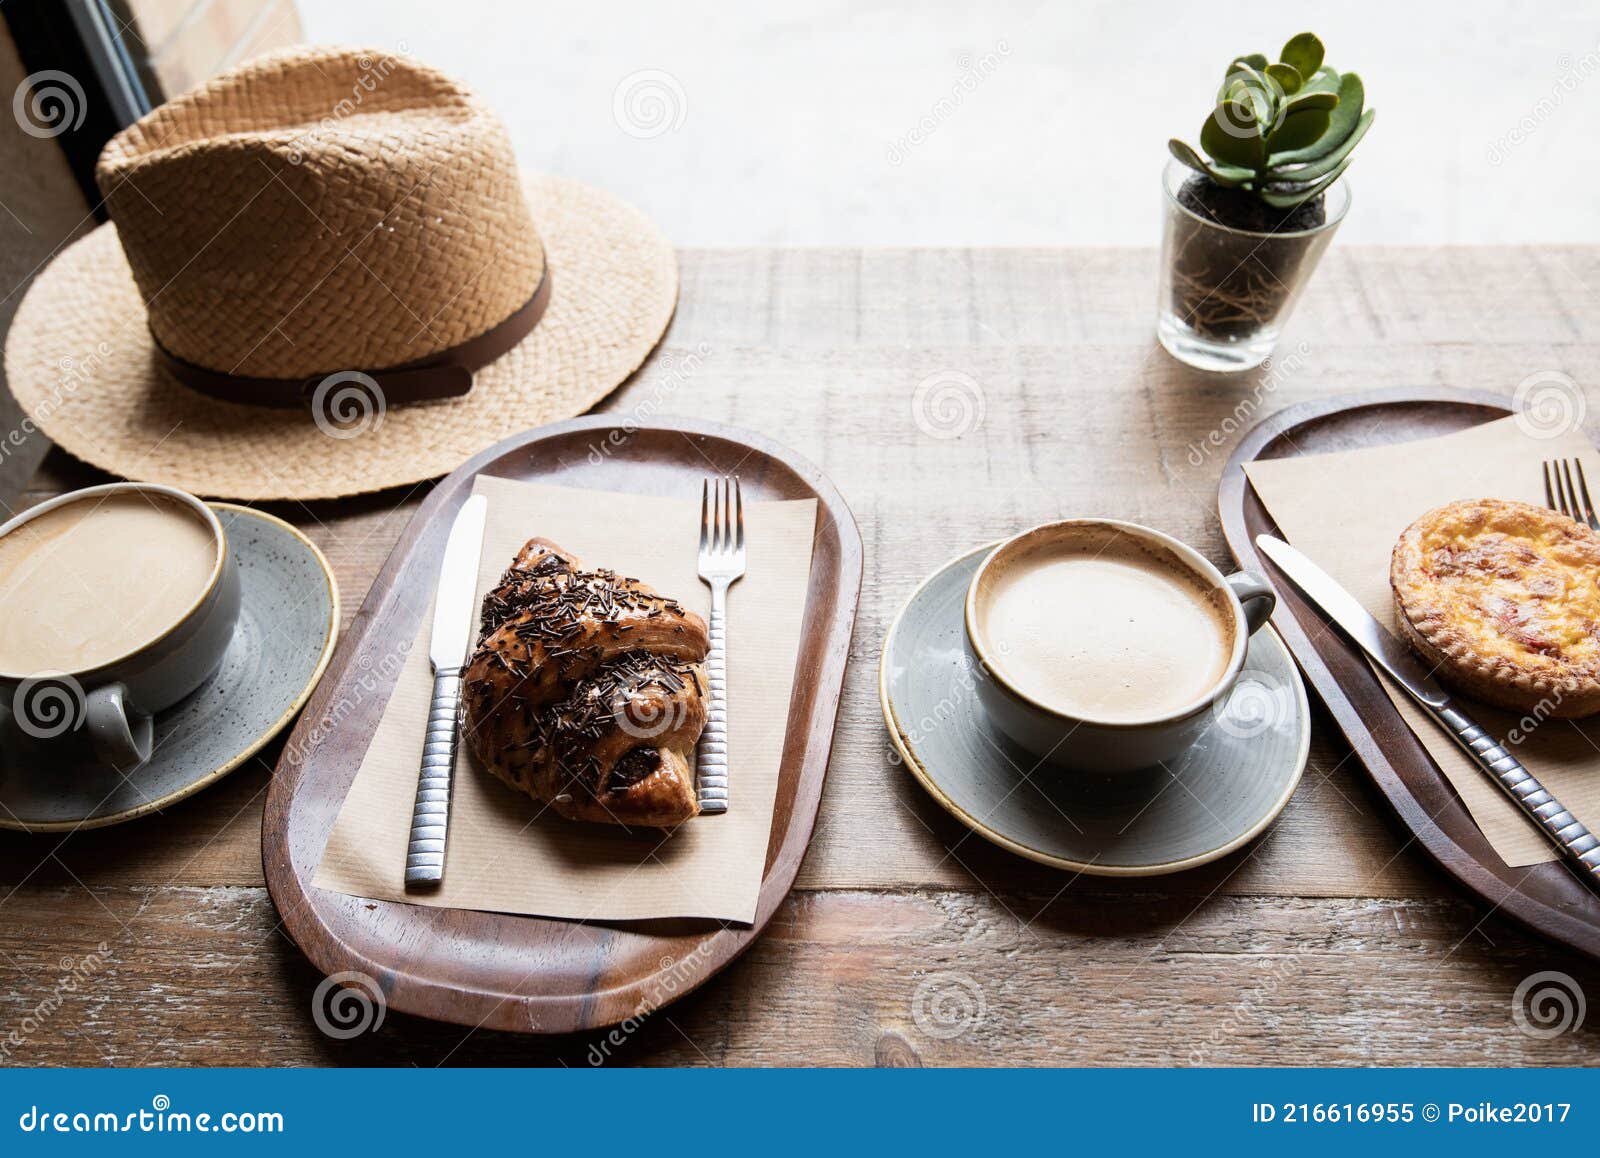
point(201, 976)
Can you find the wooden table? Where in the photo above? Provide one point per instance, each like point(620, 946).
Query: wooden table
point(1327, 941)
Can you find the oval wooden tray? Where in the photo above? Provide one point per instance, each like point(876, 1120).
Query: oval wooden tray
point(529, 974)
point(1547, 897)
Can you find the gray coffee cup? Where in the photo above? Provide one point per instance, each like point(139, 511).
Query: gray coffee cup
point(1083, 743)
point(114, 702)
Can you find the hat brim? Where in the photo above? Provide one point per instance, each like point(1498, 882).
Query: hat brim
point(81, 362)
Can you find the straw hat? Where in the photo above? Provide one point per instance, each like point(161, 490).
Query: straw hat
point(325, 275)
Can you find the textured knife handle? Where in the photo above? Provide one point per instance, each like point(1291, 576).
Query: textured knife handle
point(430, 819)
point(711, 772)
point(1523, 787)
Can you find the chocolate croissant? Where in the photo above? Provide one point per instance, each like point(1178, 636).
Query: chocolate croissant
point(585, 691)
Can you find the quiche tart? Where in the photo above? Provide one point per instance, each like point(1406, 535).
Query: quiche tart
point(1503, 600)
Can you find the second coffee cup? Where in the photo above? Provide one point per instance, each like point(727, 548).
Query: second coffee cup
point(1107, 644)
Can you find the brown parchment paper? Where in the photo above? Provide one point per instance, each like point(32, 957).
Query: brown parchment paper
point(1346, 510)
point(503, 855)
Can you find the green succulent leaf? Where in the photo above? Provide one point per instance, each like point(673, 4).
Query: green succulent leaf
point(1232, 136)
point(1242, 92)
point(1346, 116)
point(1311, 100)
point(1245, 84)
point(1297, 130)
point(1288, 198)
point(1222, 174)
point(1284, 130)
point(1185, 153)
point(1324, 79)
point(1328, 161)
point(1304, 52)
point(1352, 101)
point(1230, 177)
point(1287, 76)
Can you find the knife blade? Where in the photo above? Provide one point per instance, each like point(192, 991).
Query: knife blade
point(1566, 831)
point(454, 610)
point(454, 606)
point(1389, 653)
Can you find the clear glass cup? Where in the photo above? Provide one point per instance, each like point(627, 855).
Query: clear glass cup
point(1226, 293)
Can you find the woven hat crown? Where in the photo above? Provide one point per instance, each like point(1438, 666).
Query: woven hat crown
point(320, 210)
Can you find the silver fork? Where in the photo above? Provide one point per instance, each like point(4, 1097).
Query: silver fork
point(1559, 492)
point(721, 565)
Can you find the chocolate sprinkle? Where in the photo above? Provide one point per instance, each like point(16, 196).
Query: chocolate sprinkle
point(551, 608)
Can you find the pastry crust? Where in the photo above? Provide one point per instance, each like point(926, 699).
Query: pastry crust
point(1502, 599)
point(586, 691)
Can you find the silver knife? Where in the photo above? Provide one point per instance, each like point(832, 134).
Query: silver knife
point(454, 610)
point(1395, 658)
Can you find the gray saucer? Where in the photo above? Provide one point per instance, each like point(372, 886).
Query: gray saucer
point(287, 624)
point(1222, 793)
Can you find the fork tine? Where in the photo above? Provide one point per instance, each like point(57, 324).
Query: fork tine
point(706, 512)
point(738, 498)
point(1549, 491)
point(724, 540)
point(1583, 487)
point(727, 514)
point(1570, 504)
point(719, 538)
point(1560, 500)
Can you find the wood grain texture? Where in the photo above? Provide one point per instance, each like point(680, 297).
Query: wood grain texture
point(1126, 977)
point(824, 351)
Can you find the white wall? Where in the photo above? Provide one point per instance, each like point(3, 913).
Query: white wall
point(789, 111)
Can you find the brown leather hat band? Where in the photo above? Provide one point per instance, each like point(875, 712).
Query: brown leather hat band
point(447, 374)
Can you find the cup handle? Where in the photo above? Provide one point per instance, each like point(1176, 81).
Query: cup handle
point(1256, 597)
point(119, 734)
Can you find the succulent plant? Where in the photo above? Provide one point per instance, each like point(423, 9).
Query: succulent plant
point(1282, 131)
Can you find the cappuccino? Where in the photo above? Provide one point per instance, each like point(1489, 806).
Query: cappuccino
point(88, 582)
point(1104, 627)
